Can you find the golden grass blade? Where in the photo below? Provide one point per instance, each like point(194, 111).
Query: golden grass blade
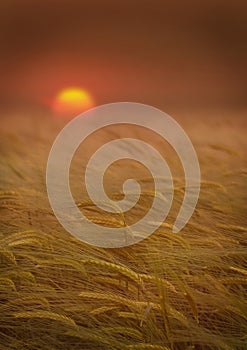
point(46, 315)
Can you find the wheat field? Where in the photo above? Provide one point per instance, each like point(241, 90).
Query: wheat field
point(171, 291)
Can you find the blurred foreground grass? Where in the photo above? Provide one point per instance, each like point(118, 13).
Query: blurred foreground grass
point(171, 291)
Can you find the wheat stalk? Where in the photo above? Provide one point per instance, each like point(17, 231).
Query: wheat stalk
point(67, 321)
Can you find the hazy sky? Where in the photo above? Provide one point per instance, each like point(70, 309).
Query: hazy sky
point(184, 53)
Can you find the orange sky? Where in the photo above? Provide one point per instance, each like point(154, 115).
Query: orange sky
point(166, 53)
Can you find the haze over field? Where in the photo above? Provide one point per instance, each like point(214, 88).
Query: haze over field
point(171, 54)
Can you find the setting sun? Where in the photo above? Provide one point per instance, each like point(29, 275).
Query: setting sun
point(72, 101)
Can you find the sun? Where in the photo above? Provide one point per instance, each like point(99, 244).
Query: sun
point(72, 101)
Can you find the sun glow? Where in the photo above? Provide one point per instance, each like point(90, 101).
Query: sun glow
point(72, 101)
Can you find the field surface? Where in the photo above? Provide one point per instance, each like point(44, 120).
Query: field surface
point(179, 291)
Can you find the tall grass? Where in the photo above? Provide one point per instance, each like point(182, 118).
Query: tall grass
point(170, 291)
